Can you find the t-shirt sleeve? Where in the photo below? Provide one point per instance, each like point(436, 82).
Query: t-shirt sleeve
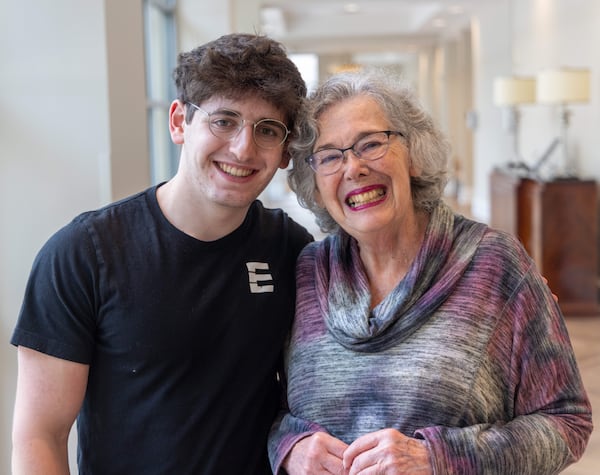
point(58, 313)
point(300, 237)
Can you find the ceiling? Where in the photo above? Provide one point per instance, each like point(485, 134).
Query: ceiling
point(387, 27)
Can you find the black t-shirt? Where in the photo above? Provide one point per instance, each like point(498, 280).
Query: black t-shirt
point(183, 337)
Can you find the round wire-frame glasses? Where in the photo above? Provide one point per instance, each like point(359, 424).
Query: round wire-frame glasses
point(227, 124)
point(371, 147)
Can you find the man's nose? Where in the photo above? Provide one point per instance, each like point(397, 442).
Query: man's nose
point(242, 144)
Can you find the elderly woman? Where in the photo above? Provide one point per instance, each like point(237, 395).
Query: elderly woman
point(423, 342)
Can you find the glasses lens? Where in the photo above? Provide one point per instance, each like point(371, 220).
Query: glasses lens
point(372, 146)
point(327, 161)
point(224, 123)
point(269, 133)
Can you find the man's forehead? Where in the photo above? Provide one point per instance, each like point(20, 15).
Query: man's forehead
point(250, 106)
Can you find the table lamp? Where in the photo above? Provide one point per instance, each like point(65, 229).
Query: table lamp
point(510, 92)
point(564, 86)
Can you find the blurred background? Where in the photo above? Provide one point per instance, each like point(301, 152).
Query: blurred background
point(85, 88)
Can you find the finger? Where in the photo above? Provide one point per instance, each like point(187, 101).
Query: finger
point(316, 454)
point(554, 296)
point(363, 465)
point(332, 464)
point(384, 448)
point(328, 443)
point(370, 441)
point(360, 445)
point(393, 455)
point(331, 461)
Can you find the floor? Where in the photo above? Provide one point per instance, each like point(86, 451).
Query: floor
point(585, 336)
point(584, 332)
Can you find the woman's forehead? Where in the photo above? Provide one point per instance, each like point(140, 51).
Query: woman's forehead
point(351, 116)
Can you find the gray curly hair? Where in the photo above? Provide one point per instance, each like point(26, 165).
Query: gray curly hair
point(428, 148)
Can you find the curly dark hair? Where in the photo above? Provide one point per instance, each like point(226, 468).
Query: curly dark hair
point(238, 65)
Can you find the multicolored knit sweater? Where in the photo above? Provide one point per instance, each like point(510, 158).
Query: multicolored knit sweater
point(469, 352)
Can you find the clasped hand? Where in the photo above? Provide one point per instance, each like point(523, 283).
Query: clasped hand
point(385, 452)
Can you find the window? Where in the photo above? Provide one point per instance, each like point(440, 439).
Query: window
point(308, 65)
point(161, 56)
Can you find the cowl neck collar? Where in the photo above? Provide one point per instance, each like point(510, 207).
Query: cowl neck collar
point(343, 290)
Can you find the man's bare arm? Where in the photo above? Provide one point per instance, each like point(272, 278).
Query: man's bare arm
point(50, 392)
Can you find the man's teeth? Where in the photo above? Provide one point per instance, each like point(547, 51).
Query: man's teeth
point(235, 171)
point(367, 197)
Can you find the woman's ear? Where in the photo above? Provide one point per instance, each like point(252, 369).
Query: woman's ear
point(318, 198)
point(413, 170)
point(177, 121)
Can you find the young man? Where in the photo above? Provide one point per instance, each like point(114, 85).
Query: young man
point(158, 321)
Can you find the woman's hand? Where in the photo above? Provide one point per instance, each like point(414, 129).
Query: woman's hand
point(319, 453)
point(387, 452)
point(554, 296)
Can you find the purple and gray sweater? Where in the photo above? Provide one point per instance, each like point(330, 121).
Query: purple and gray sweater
point(469, 352)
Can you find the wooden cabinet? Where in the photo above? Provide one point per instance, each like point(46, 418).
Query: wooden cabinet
point(557, 222)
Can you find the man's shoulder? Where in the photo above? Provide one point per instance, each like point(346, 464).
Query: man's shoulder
point(129, 204)
point(112, 218)
point(280, 222)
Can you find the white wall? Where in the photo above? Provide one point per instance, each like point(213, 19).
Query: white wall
point(61, 81)
point(53, 142)
point(491, 58)
point(524, 37)
point(565, 33)
point(202, 21)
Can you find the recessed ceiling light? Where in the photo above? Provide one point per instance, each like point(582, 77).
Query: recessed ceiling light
point(351, 7)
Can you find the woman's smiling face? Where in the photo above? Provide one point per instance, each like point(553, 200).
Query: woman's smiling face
point(364, 196)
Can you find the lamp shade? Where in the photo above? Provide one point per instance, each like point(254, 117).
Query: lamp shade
point(509, 91)
point(561, 86)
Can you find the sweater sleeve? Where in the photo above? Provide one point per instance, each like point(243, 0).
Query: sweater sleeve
point(288, 428)
point(548, 413)
point(285, 433)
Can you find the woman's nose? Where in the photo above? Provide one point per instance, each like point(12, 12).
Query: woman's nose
point(353, 166)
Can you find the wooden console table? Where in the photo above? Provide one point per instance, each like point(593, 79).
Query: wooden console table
point(557, 222)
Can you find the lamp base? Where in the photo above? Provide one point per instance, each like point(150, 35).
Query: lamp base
point(570, 163)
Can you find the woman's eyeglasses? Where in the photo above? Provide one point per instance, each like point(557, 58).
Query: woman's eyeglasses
point(370, 147)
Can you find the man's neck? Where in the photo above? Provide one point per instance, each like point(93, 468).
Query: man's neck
point(191, 215)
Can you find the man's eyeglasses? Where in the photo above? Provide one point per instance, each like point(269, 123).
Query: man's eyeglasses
point(370, 147)
point(227, 124)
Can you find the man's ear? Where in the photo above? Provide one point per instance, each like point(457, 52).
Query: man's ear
point(177, 121)
point(285, 160)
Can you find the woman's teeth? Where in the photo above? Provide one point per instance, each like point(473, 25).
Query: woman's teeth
point(235, 171)
point(364, 198)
